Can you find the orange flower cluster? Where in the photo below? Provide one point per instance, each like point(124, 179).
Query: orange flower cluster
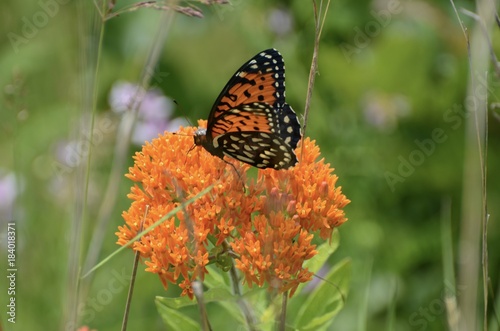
point(267, 222)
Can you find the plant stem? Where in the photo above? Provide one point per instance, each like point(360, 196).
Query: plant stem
point(132, 279)
point(282, 320)
point(244, 306)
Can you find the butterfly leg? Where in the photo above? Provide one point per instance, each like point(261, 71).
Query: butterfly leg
point(240, 179)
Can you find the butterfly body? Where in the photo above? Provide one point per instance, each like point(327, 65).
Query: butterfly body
point(250, 120)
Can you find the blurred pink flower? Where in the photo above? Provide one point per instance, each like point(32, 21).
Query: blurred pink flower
point(280, 21)
point(155, 110)
point(9, 190)
point(383, 111)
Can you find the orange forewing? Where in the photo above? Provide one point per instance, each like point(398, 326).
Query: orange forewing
point(241, 122)
point(259, 85)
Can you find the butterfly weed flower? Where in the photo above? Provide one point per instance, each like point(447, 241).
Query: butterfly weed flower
point(295, 204)
point(267, 222)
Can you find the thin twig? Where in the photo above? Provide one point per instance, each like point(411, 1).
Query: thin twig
point(244, 306)
point(124, 135)
point(464, 29)
point(197, 287)
point(314, 62)
point(188, 11)
point(132, 279)
point(486, 276)
point(485, 219)
point(82, 174)
point(486, 36)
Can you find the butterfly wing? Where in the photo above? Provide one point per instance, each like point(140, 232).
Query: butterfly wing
point(263, 136)
point(260, 80)
point(258, 149)
point(250, 120)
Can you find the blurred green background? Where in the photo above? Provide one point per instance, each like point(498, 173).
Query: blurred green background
point(390, 73)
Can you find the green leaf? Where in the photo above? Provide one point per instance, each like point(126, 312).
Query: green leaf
point(321, 306)
point(174, 319)
point(216, 278)
point(221, 296)
point(324, 251)
point(212, 295)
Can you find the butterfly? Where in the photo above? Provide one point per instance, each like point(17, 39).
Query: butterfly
point(250, 120)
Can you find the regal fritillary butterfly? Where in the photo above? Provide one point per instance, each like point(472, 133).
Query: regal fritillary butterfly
point(250, 120)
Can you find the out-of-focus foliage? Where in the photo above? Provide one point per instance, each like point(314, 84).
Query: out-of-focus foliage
point(388, 112)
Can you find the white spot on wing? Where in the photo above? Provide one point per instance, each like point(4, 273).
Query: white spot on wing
point(216, 142)
point(244, 158)
point(269, 153)
point(250, 155)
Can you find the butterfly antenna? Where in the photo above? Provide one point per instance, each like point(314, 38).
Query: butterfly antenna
point(182, 110)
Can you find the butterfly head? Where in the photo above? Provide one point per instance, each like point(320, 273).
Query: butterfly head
point(200, 139)
point(200, 136)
